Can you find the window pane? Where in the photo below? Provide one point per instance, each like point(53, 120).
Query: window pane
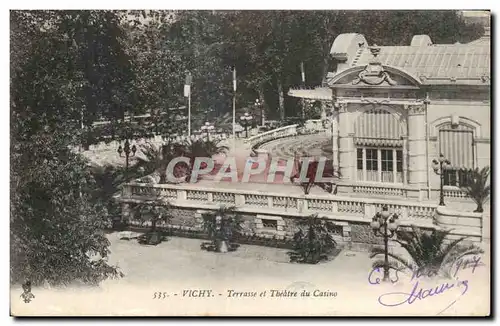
point(450, 177)
point(360, 159)
point(371, 159)
point(387, 163)
point(463, 175)
point(399, 161)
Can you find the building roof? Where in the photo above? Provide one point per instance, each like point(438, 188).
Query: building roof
point(434, 61)
point(317, 93)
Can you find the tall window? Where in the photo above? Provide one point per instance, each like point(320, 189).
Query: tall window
point(371, 164)
point(387, 165)
point(380, 165)
point(379, 142)
point(456, 143)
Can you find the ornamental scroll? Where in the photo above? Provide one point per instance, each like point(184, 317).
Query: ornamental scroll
point(374, 74)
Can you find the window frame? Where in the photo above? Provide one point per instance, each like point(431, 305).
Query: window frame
point(392, 166)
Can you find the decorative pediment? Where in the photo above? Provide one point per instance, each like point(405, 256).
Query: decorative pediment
point(374, 74)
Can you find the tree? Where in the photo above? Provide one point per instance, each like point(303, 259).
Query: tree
point(108, 180)
point(430, 253)
point(313, 241)
point(56, 228)
point(153, 212)
point(221, 226)
point(476, 186)
point(201, 148)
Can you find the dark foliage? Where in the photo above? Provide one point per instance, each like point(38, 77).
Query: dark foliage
point(429, 253)
point(477, 187)
point(221, 225)
point(313, 242)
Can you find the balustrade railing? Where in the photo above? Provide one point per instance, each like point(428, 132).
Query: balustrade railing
point(310, 126)
point(348, 207)
point(264, 137)
point(454, 192)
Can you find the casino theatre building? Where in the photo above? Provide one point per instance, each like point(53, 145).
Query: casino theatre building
point(394, 109)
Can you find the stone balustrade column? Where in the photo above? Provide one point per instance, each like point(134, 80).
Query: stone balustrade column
point(346, 144)
point(416, 146)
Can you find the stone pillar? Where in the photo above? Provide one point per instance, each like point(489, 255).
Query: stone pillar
point(346, 144)
point(417, 165)
point(127, 213)
point(335, 141)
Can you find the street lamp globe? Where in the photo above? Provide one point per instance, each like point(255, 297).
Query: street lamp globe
point(385, 212)
point(375, 224)
point(393, 223)
point(207, 127)
point(246, 117)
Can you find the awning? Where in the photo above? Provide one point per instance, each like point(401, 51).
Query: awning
point(318, 93)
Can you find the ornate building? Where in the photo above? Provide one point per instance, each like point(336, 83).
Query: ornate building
point(394, 109)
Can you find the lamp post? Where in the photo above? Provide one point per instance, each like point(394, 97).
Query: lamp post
point(127, 150)
point(246, 118)
point(208, 128)
point(260, 105)
point(439, 167)
point(385, 224)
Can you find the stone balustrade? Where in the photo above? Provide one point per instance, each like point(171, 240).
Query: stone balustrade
point(454, 192)
point(286, 131)
point(328, 206)
point(310, 126)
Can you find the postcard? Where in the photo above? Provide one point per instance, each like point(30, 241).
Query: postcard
point(250, 163)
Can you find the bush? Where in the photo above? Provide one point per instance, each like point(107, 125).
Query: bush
point(313, 242)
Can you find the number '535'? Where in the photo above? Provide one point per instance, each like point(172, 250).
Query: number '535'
point(159, 295)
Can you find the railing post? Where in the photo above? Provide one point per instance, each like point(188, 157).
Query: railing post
point(126, 211)
point(369, 211)
point(181, 195)
point(404, 213)
point(210, 197)
point(239, 200)
point(335, 207)
point(270, 201)
point(302, 205)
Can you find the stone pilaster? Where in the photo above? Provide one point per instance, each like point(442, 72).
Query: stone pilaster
point(346, 143)
point(335, 141)
point(416, 146)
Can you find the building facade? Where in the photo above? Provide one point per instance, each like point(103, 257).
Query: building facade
point(394, 109)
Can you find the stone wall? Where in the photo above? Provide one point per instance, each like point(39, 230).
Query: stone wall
point(350, 234)
point(184, 217)
point(362, 233)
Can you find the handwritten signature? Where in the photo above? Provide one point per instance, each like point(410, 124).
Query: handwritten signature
point(418, 292)
point(393, 299)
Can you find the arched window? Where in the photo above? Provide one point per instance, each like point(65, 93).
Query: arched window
point(456, 143)
point(379, 147)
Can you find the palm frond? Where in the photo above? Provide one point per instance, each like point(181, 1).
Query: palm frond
point(476, 186)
